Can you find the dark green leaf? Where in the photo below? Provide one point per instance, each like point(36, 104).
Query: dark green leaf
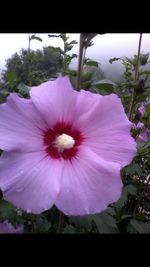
point(33, 37)
point(126, 216)
point(73, 42)
point(69, 229)
point(114, 59)
point(148, 110)
point(128, 189)
point(42, 224)
point(91, 63)
point(105, 223)
point(7, 211)
point(138, 226)
point(105, 85)
point(23, 89)
point(133, 169)
point(81, 221)
point(11, 76)
point(110, 211)
point(53, 35)
point(147, 206)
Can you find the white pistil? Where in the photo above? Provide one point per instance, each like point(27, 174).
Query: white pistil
point(64, 141)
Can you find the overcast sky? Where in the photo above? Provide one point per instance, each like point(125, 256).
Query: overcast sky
point(105, 46)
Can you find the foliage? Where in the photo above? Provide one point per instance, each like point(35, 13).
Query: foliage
point(67, 46)
point(32, 68)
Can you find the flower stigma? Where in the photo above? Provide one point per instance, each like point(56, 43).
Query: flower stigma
point(64, 141)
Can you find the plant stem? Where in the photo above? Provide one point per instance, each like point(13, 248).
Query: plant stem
point(81, 46)
point(135, 79)
point(84, 53)
point(61, 223)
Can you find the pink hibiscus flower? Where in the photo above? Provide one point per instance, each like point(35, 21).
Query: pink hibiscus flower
point(7, 228)
point(63, 147)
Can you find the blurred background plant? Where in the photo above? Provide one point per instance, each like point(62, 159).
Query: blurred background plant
point(131, 214)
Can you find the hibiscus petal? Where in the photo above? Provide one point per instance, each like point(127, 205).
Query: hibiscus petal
point(30, 181)
point(106, 127)
point(20, 125)
point(55, 100)
point(89, 184)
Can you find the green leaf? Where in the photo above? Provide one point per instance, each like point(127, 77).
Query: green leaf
point(73, 42)
point(114, 59)
point(139, 217)
point(33, 37)
point(110, 211)
point(105, 223)
point(4, 93)
point(11, 76)
point(92, 63)
point(148, 110)
point(81, 222)
point(128, 189)
point(147, 206)
point(7, 211)
point(138, 226)
point(42, 224)
point(53, 35)
point(105, 85)
point(133, 169)
point(58, 49)
point(23, 89)
point(126, 216)
point(69, 229)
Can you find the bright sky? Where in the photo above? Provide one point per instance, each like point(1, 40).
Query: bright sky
point(105, 46)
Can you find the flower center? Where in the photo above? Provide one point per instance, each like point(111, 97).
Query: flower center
point(64, 141)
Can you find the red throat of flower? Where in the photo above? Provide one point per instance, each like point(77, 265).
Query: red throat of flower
point(62, 141)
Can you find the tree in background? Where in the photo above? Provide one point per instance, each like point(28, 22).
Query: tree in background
point(34, 67)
